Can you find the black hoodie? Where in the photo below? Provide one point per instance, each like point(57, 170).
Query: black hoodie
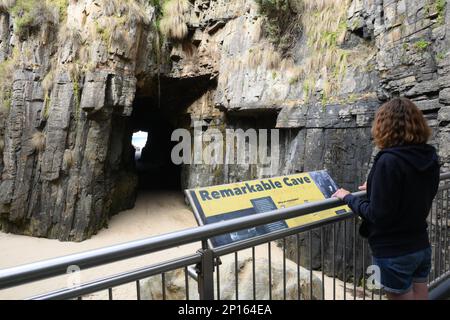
point(400, 189)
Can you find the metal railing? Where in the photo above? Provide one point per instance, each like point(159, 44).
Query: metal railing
point(320, 260)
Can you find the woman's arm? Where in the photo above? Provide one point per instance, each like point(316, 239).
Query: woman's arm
point(385, 193)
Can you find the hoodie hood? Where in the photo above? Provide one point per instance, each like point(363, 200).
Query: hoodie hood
point(420, 156)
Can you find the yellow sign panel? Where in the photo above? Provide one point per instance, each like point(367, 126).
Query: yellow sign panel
point(223, 202)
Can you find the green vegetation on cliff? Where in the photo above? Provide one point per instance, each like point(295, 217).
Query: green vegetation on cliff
point(31, 15)
point(38, 141)
point(323, 25)
point(440, 7)
point(283, 21)
point(7, 68)
point(422, 45)
point(173, 23)
point(436, 8)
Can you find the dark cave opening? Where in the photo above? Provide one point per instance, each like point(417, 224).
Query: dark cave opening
point(158, 113)
point(154, 167)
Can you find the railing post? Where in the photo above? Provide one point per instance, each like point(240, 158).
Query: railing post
point(205, 271)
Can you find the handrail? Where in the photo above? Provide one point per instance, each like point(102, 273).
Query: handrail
point(118, 279)
point(57, 266)
point(441, 290)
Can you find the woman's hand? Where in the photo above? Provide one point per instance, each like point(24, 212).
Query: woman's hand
point(341, 193)
point(363, 187)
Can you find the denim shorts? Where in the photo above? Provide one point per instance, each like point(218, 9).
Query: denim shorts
point(399, 273)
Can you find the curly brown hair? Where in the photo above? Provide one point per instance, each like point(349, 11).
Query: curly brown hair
point(399, 122)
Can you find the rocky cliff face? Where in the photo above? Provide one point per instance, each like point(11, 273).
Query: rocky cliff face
point(73, 85)
point(65, 165)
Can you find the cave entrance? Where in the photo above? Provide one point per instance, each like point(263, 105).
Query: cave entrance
point(152, 130)
point(157, 112)
point(152, 158)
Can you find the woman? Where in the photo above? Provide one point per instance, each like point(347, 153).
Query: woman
point(400, 189)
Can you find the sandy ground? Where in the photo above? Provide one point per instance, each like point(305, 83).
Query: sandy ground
point(155, 213)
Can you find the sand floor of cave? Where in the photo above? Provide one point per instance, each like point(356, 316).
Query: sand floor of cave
point(155, 213)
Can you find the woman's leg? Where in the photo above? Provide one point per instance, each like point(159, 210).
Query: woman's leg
point(420, 290)
point(420, 276)
point(410, 295)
